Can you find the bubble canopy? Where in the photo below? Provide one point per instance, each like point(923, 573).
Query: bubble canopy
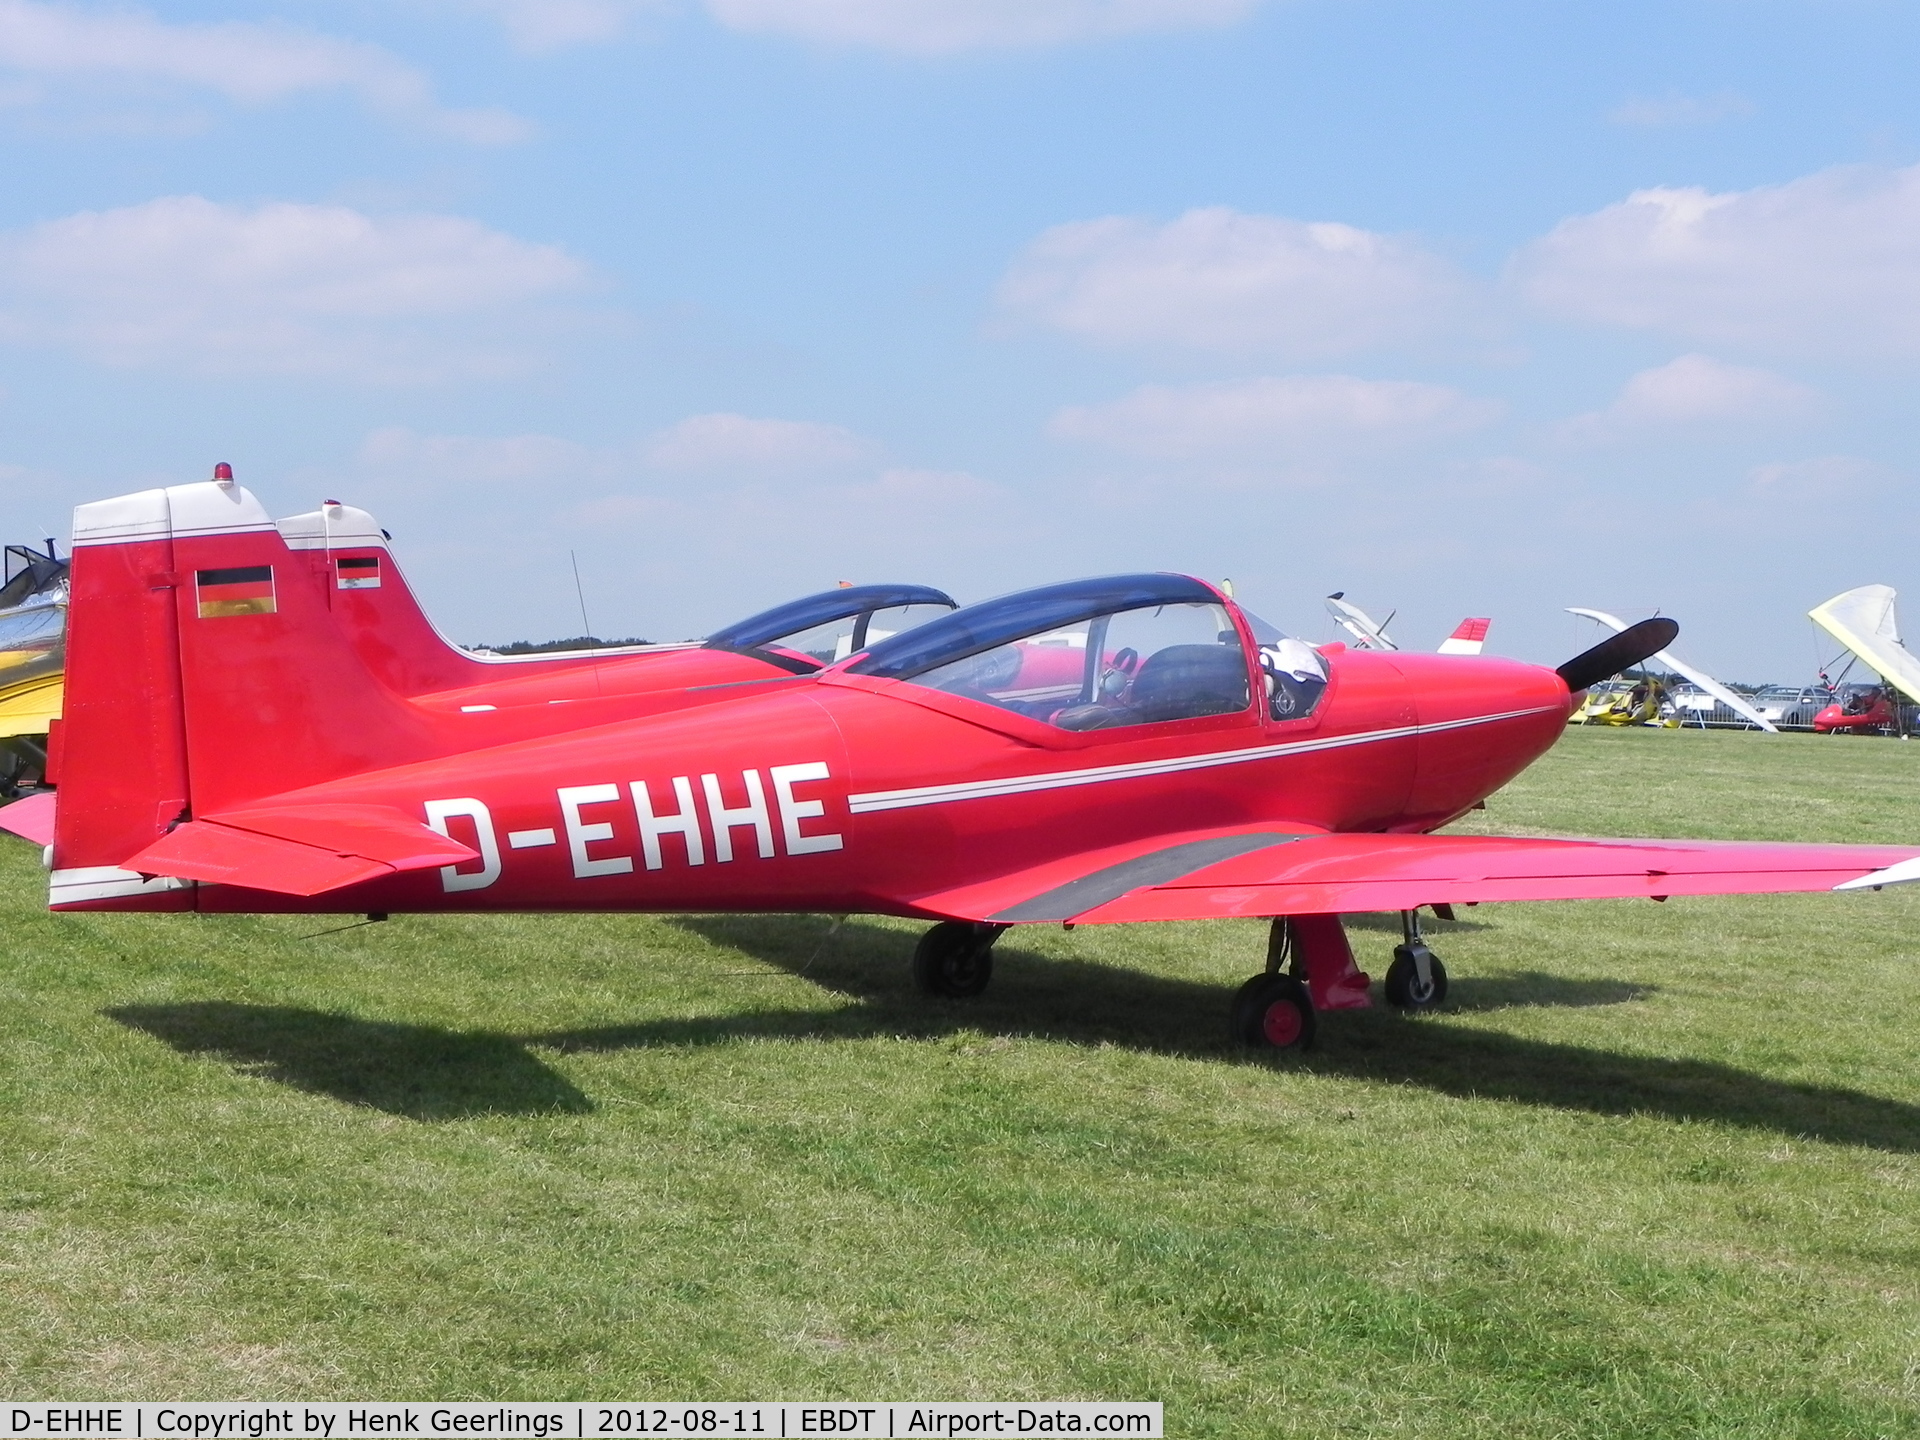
point(829, 605)
point(1026, 612)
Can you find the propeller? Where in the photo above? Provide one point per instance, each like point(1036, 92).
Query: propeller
point(1618, 652)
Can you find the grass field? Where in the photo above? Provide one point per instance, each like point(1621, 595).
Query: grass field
point(1656, 1171)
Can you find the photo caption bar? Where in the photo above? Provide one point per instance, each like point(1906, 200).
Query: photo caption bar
point(528, 1420)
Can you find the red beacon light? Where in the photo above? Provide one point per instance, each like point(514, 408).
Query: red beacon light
point(223, 474)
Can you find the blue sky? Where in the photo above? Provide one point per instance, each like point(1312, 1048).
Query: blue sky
point(1489, 311)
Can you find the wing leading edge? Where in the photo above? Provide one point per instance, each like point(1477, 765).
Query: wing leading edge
point(1256, 873)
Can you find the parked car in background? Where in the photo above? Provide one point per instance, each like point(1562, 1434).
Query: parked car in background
point(1792, 707)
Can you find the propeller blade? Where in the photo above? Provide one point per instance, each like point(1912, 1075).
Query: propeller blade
point(1618, 652)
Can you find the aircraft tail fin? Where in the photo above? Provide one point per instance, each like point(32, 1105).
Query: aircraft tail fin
point(204, 672)
point(1467, 637)
point(374, 605)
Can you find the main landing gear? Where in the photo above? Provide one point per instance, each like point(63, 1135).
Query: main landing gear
point(1310, 968)
point(1274, 1010)
point(1416, 980)
point(955, 958)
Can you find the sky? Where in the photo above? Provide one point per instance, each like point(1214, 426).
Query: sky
point(1485, 310)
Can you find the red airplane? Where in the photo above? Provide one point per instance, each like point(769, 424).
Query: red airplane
point(1137, 747)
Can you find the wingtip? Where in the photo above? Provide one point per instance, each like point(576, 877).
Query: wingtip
point(1904, 873)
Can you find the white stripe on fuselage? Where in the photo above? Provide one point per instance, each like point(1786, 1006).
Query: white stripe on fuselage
point(876, 800)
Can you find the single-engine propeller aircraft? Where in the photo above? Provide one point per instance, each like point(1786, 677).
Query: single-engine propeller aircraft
point(1136, 747)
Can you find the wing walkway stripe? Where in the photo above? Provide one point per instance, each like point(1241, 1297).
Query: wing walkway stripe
point(876, 800)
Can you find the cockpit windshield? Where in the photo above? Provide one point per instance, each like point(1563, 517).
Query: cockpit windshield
point(31, 575)
point(1090, 655)
point(806, 635)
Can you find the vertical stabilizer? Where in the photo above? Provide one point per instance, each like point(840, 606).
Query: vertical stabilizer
point(1467, 637)
point(350, 561)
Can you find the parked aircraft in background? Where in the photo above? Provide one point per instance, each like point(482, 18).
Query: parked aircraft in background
point(1859, 710)
point(1678, 666)
point(1467, 637)
point(1863, 621)
point(33, 649)
point(1099, 751)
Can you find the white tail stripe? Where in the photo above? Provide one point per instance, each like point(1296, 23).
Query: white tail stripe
point(105, 882)
point(877, 800)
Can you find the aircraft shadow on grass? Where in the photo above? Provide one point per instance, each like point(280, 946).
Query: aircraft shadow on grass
point(1090, 1004)
point(420, 1072)
point(425, 1072)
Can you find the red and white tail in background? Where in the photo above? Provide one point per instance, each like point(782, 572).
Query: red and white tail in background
point(1368, 634)
point(1467, 637)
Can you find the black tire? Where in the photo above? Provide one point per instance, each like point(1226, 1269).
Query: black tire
point(954, 959)
point(1403, 982)
point(1273, 1012)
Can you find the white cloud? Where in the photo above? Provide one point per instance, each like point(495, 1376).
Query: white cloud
point(253, 64)
point(1216, 279)
point(728, 442)
point(1277, 415)
point(1697, 390)
point(296, 289)
point(1672, 109)
point(1827, 264)
point(937, 27)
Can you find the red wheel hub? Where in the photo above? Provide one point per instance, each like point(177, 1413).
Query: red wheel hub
point(1281, 1023)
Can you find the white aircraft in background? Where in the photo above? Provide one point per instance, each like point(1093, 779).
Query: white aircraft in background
point(1680, 667)
point(1862, 620)
point(1467, 637)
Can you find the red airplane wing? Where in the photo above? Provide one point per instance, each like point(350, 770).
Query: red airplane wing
point(298, 850)
point(1259, 873)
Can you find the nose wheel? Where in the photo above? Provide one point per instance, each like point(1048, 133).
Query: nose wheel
point(1416, 980)
point(955, 958)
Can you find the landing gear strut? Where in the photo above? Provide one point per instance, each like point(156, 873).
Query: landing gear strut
point(955, 958)
point(1416, 980)
point(1273, 1010)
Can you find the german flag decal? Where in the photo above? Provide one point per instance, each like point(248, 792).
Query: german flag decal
point(357, 572)
point(243, 590)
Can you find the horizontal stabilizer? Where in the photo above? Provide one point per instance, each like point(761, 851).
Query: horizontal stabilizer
point(298, 850)
point(31, 818)
point(1250, 873)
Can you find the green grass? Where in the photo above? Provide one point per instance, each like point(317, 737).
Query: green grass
point(1655, 1172)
